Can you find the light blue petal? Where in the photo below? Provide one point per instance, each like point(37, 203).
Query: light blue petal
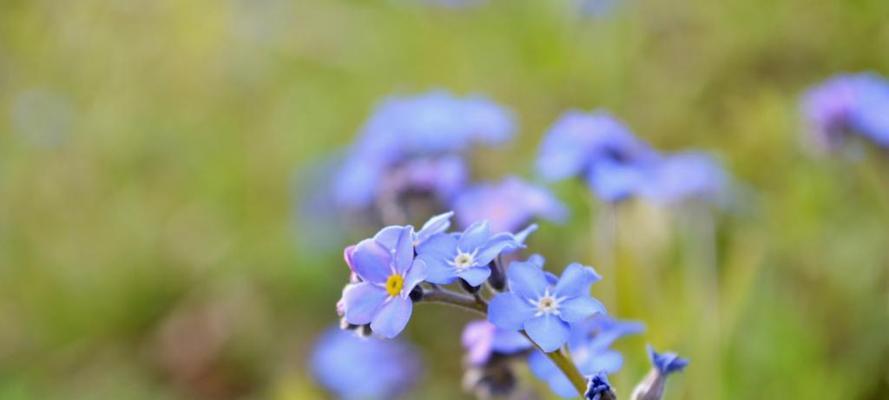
point(541, 366)
point(371, 261)
point(526, 279)
point(404, 251)
point(580, 308)
point(443, 245)
point(416, 274)
point(608, 361)
point(362, 300)
point(392, 317)
point(576, 281)
point(475, 276)
point(509, 311)
point(494, 246)
point(474, 237)
point(388, 236)
point(562, 386)
point(522, 236)
point(438, 270)
point(435, 225)
point(548, 331)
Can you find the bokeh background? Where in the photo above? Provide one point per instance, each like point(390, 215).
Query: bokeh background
point(152, 156)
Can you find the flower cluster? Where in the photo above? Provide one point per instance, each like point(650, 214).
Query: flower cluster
point(534, 316)
point(846, 105)
point(617, 165)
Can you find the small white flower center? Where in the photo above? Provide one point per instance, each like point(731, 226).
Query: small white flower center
point(546, 304)
point(463, 260)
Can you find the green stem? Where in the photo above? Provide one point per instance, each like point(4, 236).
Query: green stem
point(477, 304)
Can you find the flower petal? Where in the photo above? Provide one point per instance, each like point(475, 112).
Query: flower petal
point(580, 308)
point(509, 311)
point(541, 366)
point(392, 317)
point(494, 246)
point(388, 236)
point(474, 237)
point(475, 276)
point(416, 274)
point(576, 281)
point(361, 302)
point(526, 279)
point(404, 250)
point(608, 361)
point(438, 270)
point(434, 226)
point(548, 331)
point(371, 260)
point(443, 245)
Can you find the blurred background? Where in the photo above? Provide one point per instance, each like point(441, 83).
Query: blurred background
point(154, 154)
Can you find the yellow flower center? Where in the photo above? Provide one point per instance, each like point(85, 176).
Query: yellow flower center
point(394, 284)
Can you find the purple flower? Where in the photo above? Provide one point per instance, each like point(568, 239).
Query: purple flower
point(598, 388)
point(508, 205)
point(543, 308)
point(598, 148)
point(846, 105)
point(363, 368)
point(652, 386)
point(589, 345)
point(465, 255)
point(482, 339)
point(387, 275)
point(686, 176)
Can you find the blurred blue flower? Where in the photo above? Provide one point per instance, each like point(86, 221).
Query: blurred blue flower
point(355, 368)
point(507, 205)
point(598, 388)
point(845, 105)
point(435, 126)
point(652, 386)
point(686, 176)
point(387, 275)
point(598, 148)
point(465, 255)
point(542, 308)
point(589, 345)
point(482, 339)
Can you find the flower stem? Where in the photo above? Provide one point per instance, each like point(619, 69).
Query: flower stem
point(477, 304)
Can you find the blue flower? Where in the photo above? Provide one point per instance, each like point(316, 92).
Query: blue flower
point(845, 105)
point(465, 255)
point(387, 275)
point(356, 368)
point(652, 386)
point(589, 345)
point(686, 176)
point(598, 388)
point(541, 307)
point(507, 205)
point(482, 339)
point(598, 148)
point(666, 363)
point(434, 126)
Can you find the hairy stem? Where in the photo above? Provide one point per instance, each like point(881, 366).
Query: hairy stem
point(477, 304)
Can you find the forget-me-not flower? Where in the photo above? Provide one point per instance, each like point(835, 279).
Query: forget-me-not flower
point(663, 364)
point(598, 148)
point(508, 205)
point(355, 368)
point(598, 388)
point(845, 105)
point(387, 276)
point(544, 309)
point(482, 339)
point(589, 345)
point(464, 255)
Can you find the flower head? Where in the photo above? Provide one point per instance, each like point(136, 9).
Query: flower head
point(589, 345)
point(387, 274)
point(687, 176)
point(482, 339)
point(507, 205)
point(597, 148)
point(363, 368)
point(663, 364)
point(543, 308)
point(846, 105)
point(464, 255)
point(598, 388)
